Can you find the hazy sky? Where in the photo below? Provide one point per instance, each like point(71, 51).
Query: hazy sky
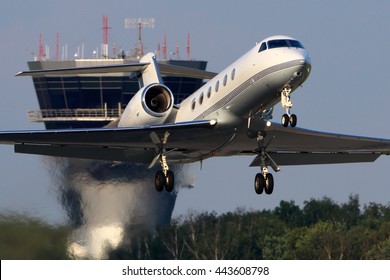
point(347, 91)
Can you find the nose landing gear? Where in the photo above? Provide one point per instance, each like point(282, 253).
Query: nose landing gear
point(287, 118)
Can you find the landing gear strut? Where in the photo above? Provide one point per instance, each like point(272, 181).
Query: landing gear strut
point(287, 104)
point(164, 178)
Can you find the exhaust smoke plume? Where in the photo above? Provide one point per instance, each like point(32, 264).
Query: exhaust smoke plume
point(109, 203)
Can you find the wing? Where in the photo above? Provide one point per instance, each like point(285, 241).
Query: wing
point(196, 140)
point(132, 144)
point(296, 146)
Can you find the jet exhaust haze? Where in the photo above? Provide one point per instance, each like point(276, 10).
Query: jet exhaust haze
point(109, 203)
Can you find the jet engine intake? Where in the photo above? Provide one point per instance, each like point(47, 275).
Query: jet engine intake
point(150, 105)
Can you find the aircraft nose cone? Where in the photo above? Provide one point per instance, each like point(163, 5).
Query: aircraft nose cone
point(307, 60)
point(307, 64)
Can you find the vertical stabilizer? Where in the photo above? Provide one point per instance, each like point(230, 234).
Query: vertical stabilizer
point(152, 72)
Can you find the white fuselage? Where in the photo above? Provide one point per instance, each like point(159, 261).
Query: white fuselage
point(250, 85)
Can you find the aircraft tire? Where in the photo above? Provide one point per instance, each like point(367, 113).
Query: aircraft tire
point(293, 120)
point(270, 184)
point(170, 181)
point(159, 181)
point(285, 120)
point(259, 183)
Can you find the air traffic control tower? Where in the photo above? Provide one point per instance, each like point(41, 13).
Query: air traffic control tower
point(81, 101)
point(92, 101)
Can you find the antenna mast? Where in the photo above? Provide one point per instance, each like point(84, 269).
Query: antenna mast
point(188, 47)
point(139, 23)
point(57, 45)
point(105, 37)
point(165, 47)
point(41, 53)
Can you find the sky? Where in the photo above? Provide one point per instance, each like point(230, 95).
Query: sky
point(347, 91)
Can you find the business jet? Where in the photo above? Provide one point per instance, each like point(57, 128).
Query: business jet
point(229, 115)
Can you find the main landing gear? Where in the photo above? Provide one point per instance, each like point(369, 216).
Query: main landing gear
point(287, 118)
point(164, 178)
point(264, 181)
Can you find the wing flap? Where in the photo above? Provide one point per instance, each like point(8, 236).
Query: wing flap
point(137, 155)
point(318, 158)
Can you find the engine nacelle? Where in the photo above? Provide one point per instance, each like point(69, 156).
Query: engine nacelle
point(150, 105)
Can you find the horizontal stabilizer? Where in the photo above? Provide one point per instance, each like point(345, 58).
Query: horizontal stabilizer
point(165, 70)
point(122, 68)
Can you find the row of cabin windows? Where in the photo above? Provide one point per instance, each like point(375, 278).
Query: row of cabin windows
point(216, 88)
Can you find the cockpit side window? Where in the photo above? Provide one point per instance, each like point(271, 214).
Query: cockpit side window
point(296, 44)
point(263, 47)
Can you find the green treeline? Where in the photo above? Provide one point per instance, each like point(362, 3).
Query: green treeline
point(25, 238)
point(321, 229)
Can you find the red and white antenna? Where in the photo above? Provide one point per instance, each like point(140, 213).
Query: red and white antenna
point(41, 53)
point(139, 23)
point(105, 37)
point(165, 47)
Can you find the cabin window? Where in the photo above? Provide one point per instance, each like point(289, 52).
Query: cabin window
point(225, 80)
point(209, 92)
point(193, 104)
point(233, 75)
point(217, 86)
point(201, 98)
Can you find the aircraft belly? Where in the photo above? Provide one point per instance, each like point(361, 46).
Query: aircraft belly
point(264, 91)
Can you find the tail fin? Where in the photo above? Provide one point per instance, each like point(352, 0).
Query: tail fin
point(151, 74)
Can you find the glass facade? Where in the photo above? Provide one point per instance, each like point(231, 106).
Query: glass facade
point(101, 92)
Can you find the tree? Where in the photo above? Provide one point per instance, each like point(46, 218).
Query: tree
point(289, 213)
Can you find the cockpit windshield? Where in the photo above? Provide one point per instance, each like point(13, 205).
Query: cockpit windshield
point(281, 43)
point(273, 44)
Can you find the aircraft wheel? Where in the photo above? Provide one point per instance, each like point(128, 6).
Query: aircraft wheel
point(159, 181)
point(270, 184)
point(285, 120)
point(259, 183)
point(170, 181)
point(293, 120)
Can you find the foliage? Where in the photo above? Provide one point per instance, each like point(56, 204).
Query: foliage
point(320, 229)
point(28, 238)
